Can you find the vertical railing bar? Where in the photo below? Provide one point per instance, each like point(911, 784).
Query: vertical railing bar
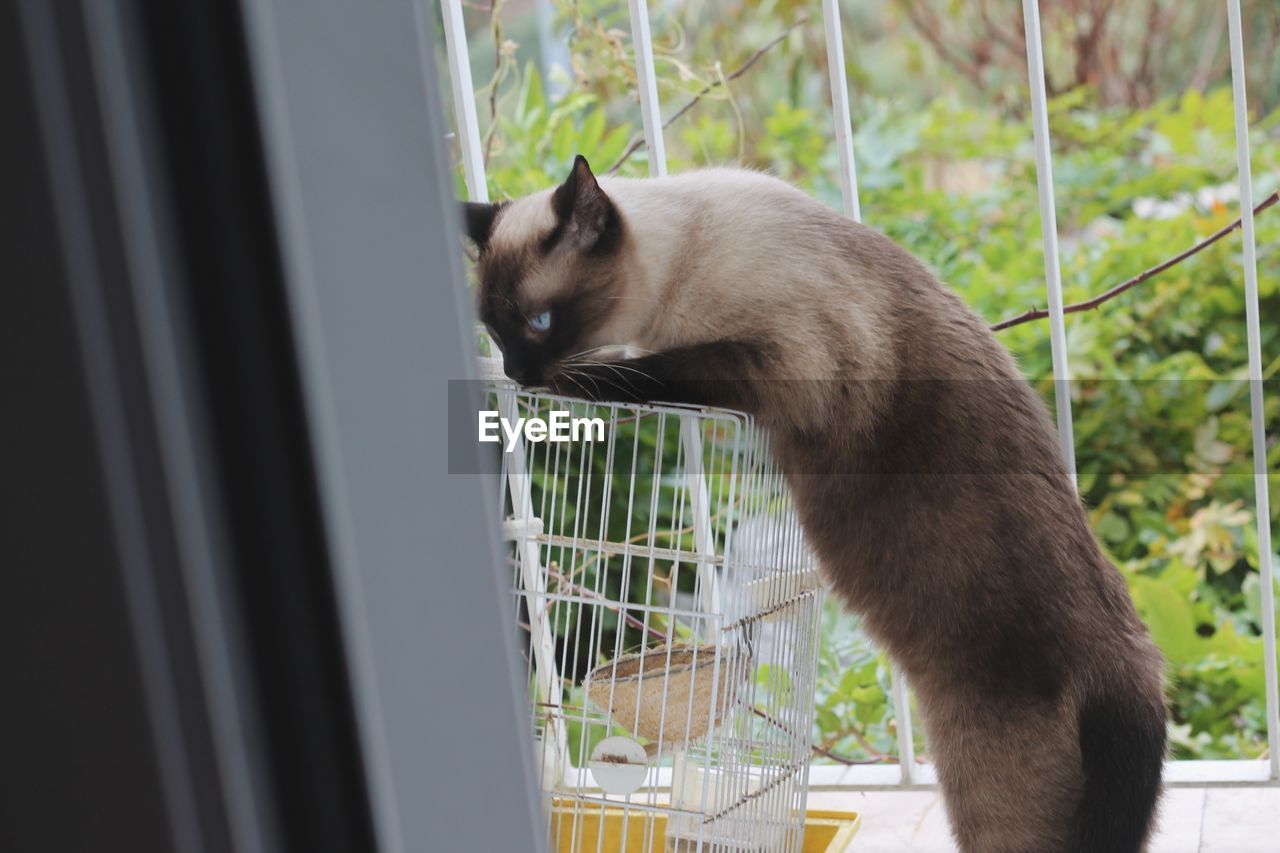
point(853, 210)
point(1261, 495)
point(840, 106)
point(518, 484)
point(647, 87)
point(1049, 233)
point(464, 101)
point(902, 717)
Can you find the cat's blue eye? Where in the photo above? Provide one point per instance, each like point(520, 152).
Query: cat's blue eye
point(540, 323)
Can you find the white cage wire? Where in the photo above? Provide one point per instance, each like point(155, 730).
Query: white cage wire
point(670, 612)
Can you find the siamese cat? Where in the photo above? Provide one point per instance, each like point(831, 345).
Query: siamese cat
point(924, 469)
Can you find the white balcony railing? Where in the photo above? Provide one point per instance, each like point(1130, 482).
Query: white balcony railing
point(909, 773)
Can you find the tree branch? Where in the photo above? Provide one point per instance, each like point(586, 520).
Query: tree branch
point(637, 144)
point(1012, 41)
point(1204, 68)
point(1088, 304)
point(928, 26)
point(495, 27)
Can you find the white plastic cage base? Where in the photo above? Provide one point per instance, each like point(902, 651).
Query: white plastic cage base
point(666, 601)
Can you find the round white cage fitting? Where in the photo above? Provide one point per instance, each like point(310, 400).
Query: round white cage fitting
point(519, 529)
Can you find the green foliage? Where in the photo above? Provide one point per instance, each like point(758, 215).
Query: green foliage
point(1162, 418)
point(541, 138)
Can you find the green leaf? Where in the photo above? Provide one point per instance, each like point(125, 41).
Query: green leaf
point(592, 130)
point(612, 146)
point(562, 140)
point(533, 101)
point(1169, 617)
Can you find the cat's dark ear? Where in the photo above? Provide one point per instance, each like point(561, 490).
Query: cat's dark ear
point(585, 217)
point(478, 219)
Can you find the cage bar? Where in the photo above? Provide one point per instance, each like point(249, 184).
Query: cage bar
point(1261, 494)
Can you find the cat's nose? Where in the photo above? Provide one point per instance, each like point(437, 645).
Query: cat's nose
point(522, 373)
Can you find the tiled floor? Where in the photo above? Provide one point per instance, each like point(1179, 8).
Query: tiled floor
point(1192, 820)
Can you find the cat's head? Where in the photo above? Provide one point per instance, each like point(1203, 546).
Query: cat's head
point(553, 270)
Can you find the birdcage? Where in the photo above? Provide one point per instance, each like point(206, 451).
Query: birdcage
point(669, 614)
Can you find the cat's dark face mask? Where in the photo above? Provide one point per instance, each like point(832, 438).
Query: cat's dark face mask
point(536, 332)
point(531, 346)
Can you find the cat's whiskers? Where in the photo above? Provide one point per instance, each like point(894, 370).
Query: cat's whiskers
point(618, 367)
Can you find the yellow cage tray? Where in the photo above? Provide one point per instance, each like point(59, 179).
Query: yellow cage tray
point(824, 831)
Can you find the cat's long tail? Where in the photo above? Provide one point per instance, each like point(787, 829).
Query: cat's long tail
point(1122, 746)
